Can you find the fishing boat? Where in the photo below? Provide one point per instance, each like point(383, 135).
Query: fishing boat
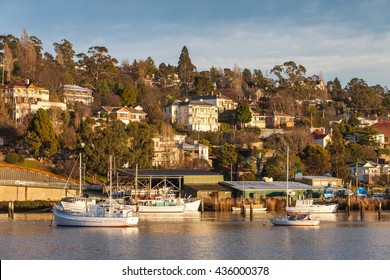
point(292, 219)
point(101, 215)
point(80, 203)
point(308, 206)
point(106, 214)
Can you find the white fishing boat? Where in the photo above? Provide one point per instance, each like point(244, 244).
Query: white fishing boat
point(308, 206)
point(293, 219)
point(191, 205)
point(107, 214)
point(80, 203)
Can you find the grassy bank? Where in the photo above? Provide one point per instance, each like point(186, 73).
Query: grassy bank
point(28, 206)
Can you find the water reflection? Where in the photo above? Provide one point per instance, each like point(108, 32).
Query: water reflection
point(211, 235)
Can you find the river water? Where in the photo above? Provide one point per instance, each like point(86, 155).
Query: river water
point(207, 236)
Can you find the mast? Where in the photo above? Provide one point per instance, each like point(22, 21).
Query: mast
point(80, 176)
point(287, 176)
point(110, 176)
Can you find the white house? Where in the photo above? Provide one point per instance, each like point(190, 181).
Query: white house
point(194, 115)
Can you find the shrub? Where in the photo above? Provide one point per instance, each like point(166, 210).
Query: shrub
point(14, 158)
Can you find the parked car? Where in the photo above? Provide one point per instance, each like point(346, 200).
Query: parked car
point(20, 182)
point(378, 196)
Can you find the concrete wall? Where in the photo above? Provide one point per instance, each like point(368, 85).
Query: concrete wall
point(21, 193)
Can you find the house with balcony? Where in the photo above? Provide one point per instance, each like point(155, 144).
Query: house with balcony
point(74, 93)
point(167, 154)
point(26, 99)
point(223, 103)
point(258, 120)
point(196, 115)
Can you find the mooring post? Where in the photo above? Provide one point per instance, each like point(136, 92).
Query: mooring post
point(202, 204)
point(348, 203)
point(361, 209)
point(11, 209)
point(251, 211)
point(379, 209)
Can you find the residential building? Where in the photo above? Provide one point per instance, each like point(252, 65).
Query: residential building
point(222, 102)
point(322, 138)
point(124, 114)
point(258, 120)
point(166, 152)
point(194, 115)
point(279, 120)
point(196, 151)
point(26, 99)
point(368, 172)
point(74, 93)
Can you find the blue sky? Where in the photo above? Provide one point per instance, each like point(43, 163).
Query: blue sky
point(344, 39)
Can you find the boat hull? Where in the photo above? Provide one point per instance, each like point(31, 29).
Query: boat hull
point(161, 209)
point(287, 222)
point(83, 220)
point(192, 206)
point(314, 209)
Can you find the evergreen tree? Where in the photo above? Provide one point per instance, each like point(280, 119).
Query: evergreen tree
point(186, 72)
point(40, 135)
point(243, 114)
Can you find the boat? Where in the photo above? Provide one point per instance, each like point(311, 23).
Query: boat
point(160, 205)
point(308, 206)
point(328, 192)
point(190, 205)
point(106, 214)
point(80, 203)
point(293, 219)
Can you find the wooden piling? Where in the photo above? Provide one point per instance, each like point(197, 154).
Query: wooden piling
point(11, 209)
point(379, 209)
point(361, 209)
point(251, 211)
point(202, 204)
point(348, 204)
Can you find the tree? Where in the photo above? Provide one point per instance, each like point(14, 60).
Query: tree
point(316, 159)
point(203, 84)
point(363, 97)
point(243, 114)
point(186, 72)
point(99, 65)
point(227, 155)
point(40, 135)
point(338, 151)
point(276, 167)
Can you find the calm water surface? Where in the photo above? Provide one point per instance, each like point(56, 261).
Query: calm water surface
point(200, 237)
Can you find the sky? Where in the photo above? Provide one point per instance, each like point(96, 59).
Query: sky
point(332, 38)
